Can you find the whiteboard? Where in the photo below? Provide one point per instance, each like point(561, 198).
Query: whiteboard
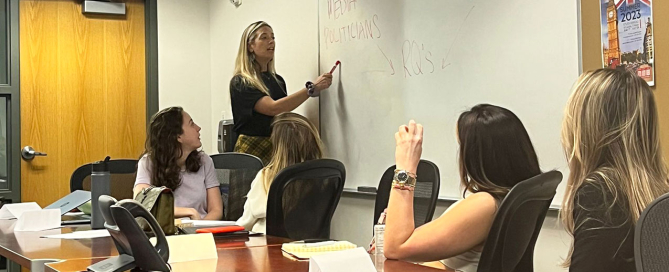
point(429, 60)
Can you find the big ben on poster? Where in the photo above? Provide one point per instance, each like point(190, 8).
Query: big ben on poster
point(627, 36)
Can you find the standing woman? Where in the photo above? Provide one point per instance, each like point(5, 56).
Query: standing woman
point(258, 93)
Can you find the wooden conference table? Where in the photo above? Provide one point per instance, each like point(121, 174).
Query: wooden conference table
point(262, 258)
point(255, 253)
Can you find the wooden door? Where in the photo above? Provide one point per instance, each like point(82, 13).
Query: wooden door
point(83, 91)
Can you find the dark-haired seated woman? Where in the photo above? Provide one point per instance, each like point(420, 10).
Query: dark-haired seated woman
point(172, 159)
point(495, 154)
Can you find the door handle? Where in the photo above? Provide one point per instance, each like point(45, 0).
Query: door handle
point(28, 153)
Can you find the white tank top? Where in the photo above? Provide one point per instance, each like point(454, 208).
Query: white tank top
point(468, 261)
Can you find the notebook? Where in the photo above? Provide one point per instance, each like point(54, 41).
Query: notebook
point(303, 251)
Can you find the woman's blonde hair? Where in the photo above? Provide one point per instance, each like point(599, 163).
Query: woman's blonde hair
point(295, 139)
point(610, 136)
point(246, 65)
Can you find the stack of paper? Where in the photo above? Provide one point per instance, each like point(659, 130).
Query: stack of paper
point(208, 223)
point(342, 261)
point(87, 234)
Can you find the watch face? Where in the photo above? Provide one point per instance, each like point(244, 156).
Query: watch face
point(402, 176)
point(610, 14)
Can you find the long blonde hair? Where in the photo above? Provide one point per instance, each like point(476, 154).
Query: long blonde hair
point(610, 135)
point(246, 65)
point(295, 139)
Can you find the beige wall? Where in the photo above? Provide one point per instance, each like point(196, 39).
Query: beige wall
point(184, 71)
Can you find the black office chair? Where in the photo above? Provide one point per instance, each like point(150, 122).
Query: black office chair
point(122, 176)
point(235, 172)
point(651, 240)
point(302, 199)
point(425, 193)
point(510, 243)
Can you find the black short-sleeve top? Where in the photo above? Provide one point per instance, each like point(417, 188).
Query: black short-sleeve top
point(244, 97)
point(603, 233)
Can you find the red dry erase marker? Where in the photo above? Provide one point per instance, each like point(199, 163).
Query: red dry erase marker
point(335, 66)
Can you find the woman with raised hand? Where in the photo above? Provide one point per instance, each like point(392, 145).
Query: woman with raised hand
point(495, 154)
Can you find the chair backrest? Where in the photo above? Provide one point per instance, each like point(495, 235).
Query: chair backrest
point(302, 199)
point(122, 175)
point(235, 172)
point(510, 243)
point(425, 193)
point(651, 240)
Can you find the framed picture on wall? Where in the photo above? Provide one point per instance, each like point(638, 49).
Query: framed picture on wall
point(627, 36)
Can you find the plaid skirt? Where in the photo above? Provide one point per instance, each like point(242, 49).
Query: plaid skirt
point(260, 147)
